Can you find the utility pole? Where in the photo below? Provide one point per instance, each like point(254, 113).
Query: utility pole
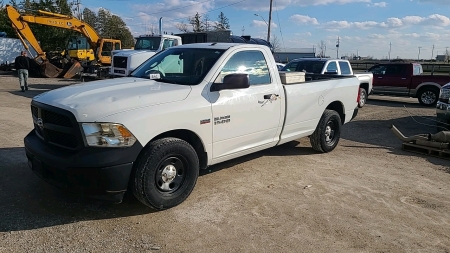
point(432, 53)
point(446, 54)
point(77, 3)
point(337, 49)
point(418, 56)
point(270, 21)
point(243, 29)
point(390, 47)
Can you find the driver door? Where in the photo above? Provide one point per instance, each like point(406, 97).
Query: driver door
point(245, 119)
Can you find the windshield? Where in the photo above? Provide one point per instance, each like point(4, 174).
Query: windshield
point(147, 43)
point(185, 66)
point(305, 66)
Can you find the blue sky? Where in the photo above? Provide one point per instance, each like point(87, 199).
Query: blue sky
point(364, 27)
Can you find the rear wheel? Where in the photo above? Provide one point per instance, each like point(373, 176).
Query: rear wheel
point(428, 96)
point(166, 173)
point(362, 97)
point(328, 132)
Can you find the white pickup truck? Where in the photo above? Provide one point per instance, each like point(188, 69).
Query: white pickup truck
point(333, 67)
point(185, 109)
point(124, 61)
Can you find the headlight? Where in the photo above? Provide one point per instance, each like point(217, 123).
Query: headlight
point(107, 135)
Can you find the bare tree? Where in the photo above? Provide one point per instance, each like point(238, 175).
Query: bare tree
point(322, 46)
point(206, 21)
point(182, 27)
point(275, 43)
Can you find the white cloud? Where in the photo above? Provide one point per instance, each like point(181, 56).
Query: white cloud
point(379, 4)
point(260, 23)
point(394, 22)
point(301, 19)
point(435, 20)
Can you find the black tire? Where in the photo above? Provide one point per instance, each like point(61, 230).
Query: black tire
point(329, 126)
point(428, 96)
point(362, 97)
point(166, 173)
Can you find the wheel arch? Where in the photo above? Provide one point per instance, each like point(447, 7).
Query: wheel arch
point(190, 137)
point(365, 86)
point(339, 108)
point(425, 85)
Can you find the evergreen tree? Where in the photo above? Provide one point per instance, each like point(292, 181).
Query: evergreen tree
point(89, 17)
point(197, 24)
point(222, 23)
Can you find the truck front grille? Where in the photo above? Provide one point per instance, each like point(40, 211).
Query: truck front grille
point(120, 62)
point(62, 139)
point(56, 126)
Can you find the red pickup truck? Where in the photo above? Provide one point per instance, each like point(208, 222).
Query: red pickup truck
point(407, 79)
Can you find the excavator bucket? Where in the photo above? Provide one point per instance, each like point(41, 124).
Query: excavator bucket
point(50, 70)
point(73, 70)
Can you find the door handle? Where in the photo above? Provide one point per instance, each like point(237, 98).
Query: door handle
point(403, 78)
point(380, 77)
point(270, 96)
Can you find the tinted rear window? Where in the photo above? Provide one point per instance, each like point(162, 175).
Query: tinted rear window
point(307, 66)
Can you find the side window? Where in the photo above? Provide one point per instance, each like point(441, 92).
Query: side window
point(291, 66)
point(252, 63)
point(116, 46)
point(395, 69)
point(345, 68)
point(332, 67)
point(107, 48)
point(169, 43)
point(417, 70)
point(378, 70)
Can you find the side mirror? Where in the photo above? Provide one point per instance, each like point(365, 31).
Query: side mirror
point(331, 72)
point(232, 82)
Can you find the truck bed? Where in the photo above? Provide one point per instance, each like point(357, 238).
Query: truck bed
point(306, 102)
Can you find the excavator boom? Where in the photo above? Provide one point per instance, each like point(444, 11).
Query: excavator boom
point(102, 47)
point(24, 32)
point(71, 23)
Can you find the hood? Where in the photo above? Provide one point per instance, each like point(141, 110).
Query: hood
point(94, 100)
point(126, 53)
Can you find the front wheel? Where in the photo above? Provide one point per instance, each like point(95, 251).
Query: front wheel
point(166, 173)
point(362, 97)
point(326, 136)
point(428, 96)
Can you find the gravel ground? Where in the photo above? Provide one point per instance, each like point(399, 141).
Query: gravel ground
point(366, 196)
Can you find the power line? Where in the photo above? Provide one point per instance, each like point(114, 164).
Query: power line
point(279, 23)
point(210, 10)
point(179, 7)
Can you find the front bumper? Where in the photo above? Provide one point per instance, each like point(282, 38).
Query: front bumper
point(101, 173)
point(443, 112)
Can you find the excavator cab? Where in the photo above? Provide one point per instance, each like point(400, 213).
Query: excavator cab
point(78, 48)
point(104, 50)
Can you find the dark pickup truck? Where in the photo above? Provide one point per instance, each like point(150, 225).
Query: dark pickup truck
point(407, 79)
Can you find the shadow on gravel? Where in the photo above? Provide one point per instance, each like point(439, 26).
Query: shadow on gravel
point(378, 133)
point(287, 149)
point(27, 202)
point(379, 101)
point(36, 89)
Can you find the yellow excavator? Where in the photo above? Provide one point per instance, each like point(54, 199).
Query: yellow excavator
point(84, 51)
